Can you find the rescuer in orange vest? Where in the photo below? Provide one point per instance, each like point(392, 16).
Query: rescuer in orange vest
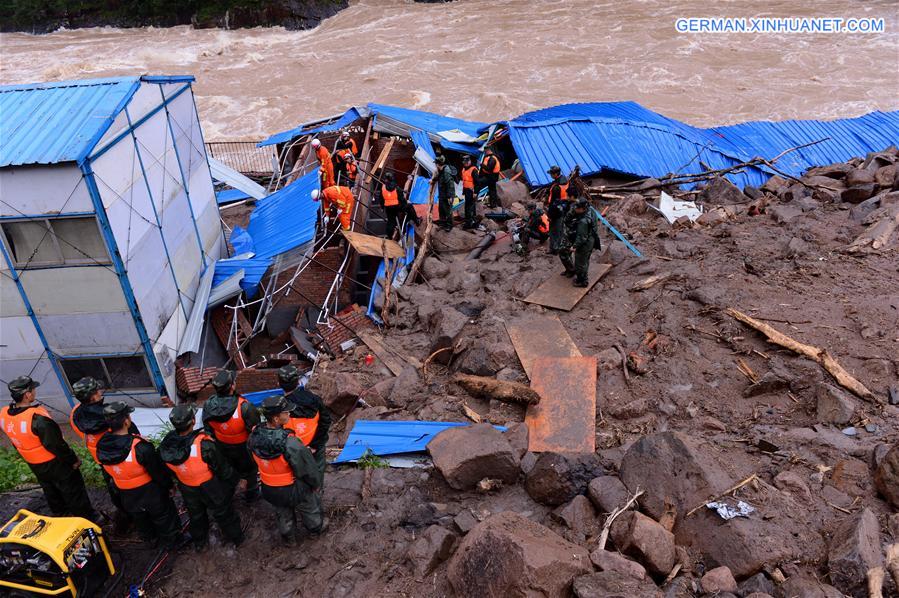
point(229, 418)
point(89, 424)
point(557, 206)
point(39, 441)
point(326, 165)
point(352, 170)
point(344, 151)
point(396, 205)
point(290, 477)
point(469, 174)
point(489, 171)
point(338, 201)
point(310, 420)
point(142, 479)
point(537, 227)
point(205, 478)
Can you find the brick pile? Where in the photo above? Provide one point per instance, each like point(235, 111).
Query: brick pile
point(352, 320)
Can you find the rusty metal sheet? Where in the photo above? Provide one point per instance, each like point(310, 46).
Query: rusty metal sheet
point(376, 246)
point(565, 418)
point(540, 336)
point(558, 293)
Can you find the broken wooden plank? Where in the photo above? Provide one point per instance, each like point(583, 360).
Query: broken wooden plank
point(648, 283)
point(372, 245)
point(558, 293)
point(382, 158)
point(395, 361)
point(565, 419)
point(844, 378)
point(540, 336)
point(501, 390)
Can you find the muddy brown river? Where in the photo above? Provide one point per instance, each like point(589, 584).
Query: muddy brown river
point(493, 59)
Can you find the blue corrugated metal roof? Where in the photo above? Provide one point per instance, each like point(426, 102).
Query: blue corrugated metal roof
point(627, 138)
point(226, 196)
point(254, 269)
point(392, 437)
point(346, 119)
point(427, 121)
point(421, 139)
point(285, 219)
point(48, 123)
point(418, 194)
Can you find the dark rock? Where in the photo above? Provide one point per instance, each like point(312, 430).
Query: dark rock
point(405, 386)
point(434, 546)
point(717, 581)
point(509, 555)
point(607, 493)
point(417, 513)
point(795, 192)
point(859, 177)
point(753, 192)
point(579, 516)
point(476, 360)
point(466, 455)
point(886, 176)
point(834, 405)
point(344, 487)
point(769, 382)
point(834, 171)
point(824, 181)
point(606, 560)
point(556, 478)
point(783, 213)
point(611, 584)
point(854, 549)
point(859, 212)
point(465, 521)
point(774, 185)
point(646, 540)
point(500, 355)
point(528, 462)
point(858, 193)
point(799, 586)
point(886, 477)
point(824, 195)
point(433, 268)
point(635, 408)
point(448, 325)
point(720, 191)
point(340, 392)
point(517, 435)
point(757, 584)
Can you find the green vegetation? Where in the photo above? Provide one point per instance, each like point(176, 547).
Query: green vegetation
point(15, 473)
point(369, 460)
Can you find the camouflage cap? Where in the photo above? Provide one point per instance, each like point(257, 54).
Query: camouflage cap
point(440, 159)
point(21, 385)
point(582, 203)
point(183, 415)
point(274, 405)
point(85, 388)
point(116, 409)
point(222, 381)
point(554, 170)
point(289, 374)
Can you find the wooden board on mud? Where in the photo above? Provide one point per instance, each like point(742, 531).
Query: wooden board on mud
point(372, 245)
point(558, 293)
point(565, 418)
point(540, 336)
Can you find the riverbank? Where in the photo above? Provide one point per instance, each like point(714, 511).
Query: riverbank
point(35, 16)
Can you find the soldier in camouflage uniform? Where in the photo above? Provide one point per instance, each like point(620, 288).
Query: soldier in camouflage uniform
point(580, 239)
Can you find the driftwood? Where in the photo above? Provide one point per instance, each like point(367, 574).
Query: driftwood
point(878, 234)
point(875, 582)
point(730, 490)
point(648, 283)
point(472, 414)
point(824, 358)
point(426, 240)
point(501, 390)
point(604, 535)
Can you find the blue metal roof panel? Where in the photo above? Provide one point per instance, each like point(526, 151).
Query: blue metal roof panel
point(285, 219)
point(254, 270)
point(421, 139)
point(348, 118)
point(427, 121)
point(48, 123)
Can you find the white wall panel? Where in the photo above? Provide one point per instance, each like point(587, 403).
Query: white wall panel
point(59, 291)
point(49, 393)
point(165, 349)
point(35, 190)
point(146, 99)
point(151, 281)
point(11, 303)
point(80, 334)
point(19, 338)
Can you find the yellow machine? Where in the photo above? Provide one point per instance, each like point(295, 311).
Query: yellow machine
point(52, 556)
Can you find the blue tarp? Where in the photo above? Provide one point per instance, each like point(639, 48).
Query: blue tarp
point(227, 196)
point(348, 118)
point(377, 289)
point(418, 194)
point(421, 139)
point(627, 138)
point(257, 397)
point(254, 270)
point(392, 437)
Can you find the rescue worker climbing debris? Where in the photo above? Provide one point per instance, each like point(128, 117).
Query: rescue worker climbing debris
point(205, 478)
point(326, 165)
point(290, 476)
point(557, 205)
point(39, 441)
point(310, 420)
point(395, 205)
point(469, 173)
point(489, 176)
point(142, 479)
point(444, 178)
point(344, 150)
point(580, 239)
point(337, 201)
point(351, 168)
point(229, 418)
point(536, 227)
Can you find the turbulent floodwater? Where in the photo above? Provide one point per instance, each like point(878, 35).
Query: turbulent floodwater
point(493, 59)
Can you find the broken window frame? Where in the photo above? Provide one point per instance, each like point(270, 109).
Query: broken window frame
point(107, 379)
point(51, 236)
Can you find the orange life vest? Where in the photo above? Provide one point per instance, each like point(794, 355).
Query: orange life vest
point(193, 471)
point(468, 177)
point(274, 472)
point(495, 169)
point(351, 169)
point(18, 428)
point(543, 227)
point(90, 440)
point(233, 430)
point(129, 474)
point(304, 428)
point(390, 197)
point(563, 191)
point(323, 155)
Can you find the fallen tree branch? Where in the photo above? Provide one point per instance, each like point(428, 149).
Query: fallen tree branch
point(878, 234)
point(604, 535)
point(648, 283)
point(501, 390)
point(424, 366)
point(730, 490)
point(824, 358)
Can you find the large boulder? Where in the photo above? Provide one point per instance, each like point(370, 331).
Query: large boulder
point(860, 176)
point(465, 455)
point(834, 406)
point(886, 477)
point(509, 556)
point(670, 467)
point(434, 546)
point(721, 192)
point(579, 516)
point(646, 540)
point(854, 550)
point(858, 193)
point(556, 478)
point(447, 327)
point(510, 192)
point(340, 392)
point(611, 584)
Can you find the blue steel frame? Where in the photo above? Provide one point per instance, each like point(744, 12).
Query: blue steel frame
point(184, 181)
point(206, 156)
point(165, 246)
point(118, 264)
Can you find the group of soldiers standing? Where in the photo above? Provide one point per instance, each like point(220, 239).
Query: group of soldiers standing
point(277, 452)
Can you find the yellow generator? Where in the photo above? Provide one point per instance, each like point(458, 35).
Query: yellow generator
point(52, 556)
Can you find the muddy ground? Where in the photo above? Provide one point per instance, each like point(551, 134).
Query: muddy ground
point(794, 273)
